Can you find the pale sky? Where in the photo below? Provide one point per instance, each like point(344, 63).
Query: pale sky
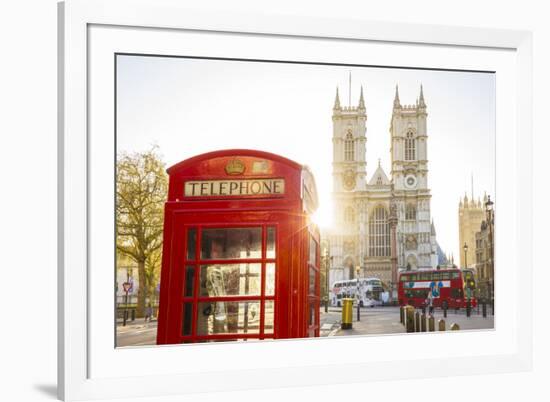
point(188, 107)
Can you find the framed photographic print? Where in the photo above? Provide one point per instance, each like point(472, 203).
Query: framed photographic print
point(288, 200)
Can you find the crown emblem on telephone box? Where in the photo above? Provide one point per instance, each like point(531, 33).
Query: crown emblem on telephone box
point(234, 167)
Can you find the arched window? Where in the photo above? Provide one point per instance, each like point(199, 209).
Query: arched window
point(410, 212)
point(410, 147)
point(349, 215)
point(379, 233)
point(348, 147)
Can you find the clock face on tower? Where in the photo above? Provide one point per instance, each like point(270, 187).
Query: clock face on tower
point(410, 181)
point(349, 180)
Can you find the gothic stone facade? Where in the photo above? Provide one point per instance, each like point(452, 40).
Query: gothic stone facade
point(470, 216)
point(361, 236)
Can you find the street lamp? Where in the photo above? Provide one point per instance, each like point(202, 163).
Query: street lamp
point(489, 211)
point(327, 272)
point(357, 295)
point(465, 247)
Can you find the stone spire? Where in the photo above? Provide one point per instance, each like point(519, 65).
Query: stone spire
point(396, 102)
point(421, 102)
point(337, 100)
point(361, 100)
point(433, 228)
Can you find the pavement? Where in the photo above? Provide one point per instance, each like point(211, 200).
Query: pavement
point(136, 333)
point(373, 321)
point(385, 320)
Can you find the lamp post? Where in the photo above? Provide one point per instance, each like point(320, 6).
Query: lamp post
point(465, 247)
point(327, 273)
point(357, 295)
point(489, 212)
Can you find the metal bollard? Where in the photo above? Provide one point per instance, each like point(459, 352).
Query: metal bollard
point(423, 322)
point(409, 318)
point(468, 308)
point(455, 327)
point(431, 323)
point(445, 310)
point(484, 309)
point(133, 314)
point(441, 325)
point(417, 321)
point(402, 315)
point(347, 313)
point(358, 311)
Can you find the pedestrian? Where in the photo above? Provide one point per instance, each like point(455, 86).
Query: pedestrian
point(149, 313)
point(431, 302)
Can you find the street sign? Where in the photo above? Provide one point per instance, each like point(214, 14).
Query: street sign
point(126, 286)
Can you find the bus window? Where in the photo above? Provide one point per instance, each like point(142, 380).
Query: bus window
point(456, 293)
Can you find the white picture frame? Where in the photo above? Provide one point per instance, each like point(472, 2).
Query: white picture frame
point(92, 31)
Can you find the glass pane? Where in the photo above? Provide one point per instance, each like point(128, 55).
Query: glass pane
point(270, 243)
point(191, 243)
point(311, 312)
point(189, 281)
point(231, 280)
point(312, 251)
point(312, 273)
point(231, 243)
point(269, 316)
point(270, 279)
point(228, 318)
point(187, 319)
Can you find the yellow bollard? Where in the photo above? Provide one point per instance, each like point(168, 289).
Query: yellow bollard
point(417, 321)
point(347, 313)
point(423, 322)
point(409, 318)
point(441, 324)
point(431, 323)
point(455, 327)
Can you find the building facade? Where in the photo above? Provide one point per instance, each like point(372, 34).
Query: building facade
point(484, 257)
point(470, 216)
point(381, 223)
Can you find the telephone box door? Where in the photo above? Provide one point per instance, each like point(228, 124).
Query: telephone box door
point(228, 279)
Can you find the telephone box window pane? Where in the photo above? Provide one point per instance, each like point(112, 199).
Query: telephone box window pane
point(269, 319)
point(228, 318)
point(189, 281)
point(231, 280)
point(187, 318)
point(311, 312)
point(312, 251)
point(270, 279)
point(312, 274)
point(270, 242)
point(231, 243)
point(191, 243)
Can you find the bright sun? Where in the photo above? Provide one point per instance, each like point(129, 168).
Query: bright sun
point(323, 216)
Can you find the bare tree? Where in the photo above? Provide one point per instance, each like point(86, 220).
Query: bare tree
point(140, 195)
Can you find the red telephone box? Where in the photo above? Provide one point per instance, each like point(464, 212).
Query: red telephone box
point(240, 254)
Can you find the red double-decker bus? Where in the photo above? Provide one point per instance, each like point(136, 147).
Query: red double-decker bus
point(450, 288)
